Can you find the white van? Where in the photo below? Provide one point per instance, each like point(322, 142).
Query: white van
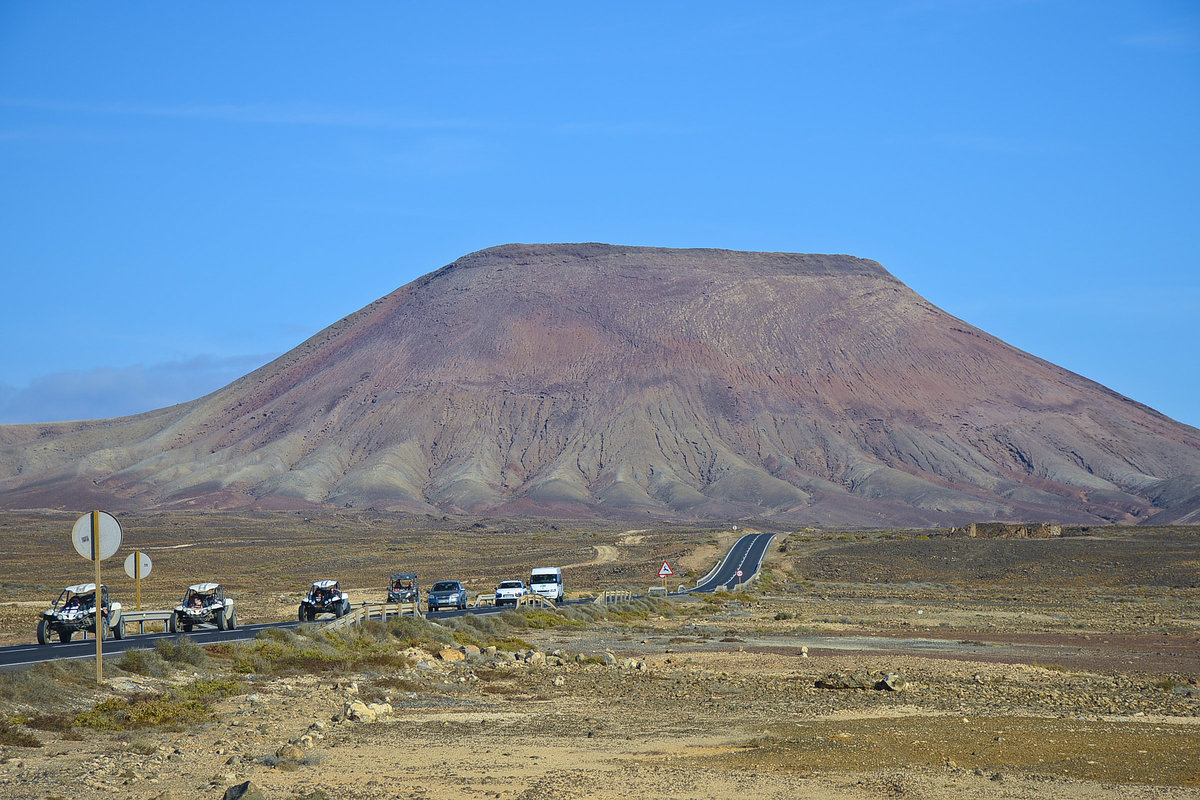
point(548, 582)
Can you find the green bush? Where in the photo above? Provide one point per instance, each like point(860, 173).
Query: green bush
point(144, 662)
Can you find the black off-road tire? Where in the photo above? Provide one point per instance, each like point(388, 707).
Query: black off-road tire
point(300, 613)
point(42, 633)
point(172, 624)
point(64, 636)
point(219, 618)
point(231, 623)
point(118, 632)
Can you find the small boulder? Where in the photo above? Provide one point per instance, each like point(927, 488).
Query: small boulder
point(471, 651)
point(537, 658)
point(358, 711)
point(893, 682)
point(244, 791)
point(290, 752)
point(450, 654)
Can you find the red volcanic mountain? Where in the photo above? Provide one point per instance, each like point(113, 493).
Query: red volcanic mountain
point(566, 380)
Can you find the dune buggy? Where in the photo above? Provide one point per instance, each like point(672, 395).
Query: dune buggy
point(75, 610)
point(203, 603)
point(324, 597)
point(404, 589)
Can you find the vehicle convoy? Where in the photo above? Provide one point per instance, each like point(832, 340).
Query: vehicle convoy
point(324, 597)
point(404, 588)
point(447, 594)
point(203, 603)
point(509, 592)
point(548, 582)
point(75, 610)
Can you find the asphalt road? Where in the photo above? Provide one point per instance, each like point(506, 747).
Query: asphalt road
point(746, 554)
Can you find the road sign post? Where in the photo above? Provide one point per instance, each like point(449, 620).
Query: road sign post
point(663, 572)
point(739, 577)
point(97, 536)
point(137, 566)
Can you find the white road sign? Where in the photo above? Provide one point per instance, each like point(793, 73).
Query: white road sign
point(132, 565)
point(665, 570)
point(108, 534)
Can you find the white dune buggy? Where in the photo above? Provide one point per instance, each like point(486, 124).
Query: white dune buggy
point(75, 610)
point(203, 603)
point(324, 597)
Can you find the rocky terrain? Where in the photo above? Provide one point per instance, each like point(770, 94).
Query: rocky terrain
point(638, 383)
point(848, 670)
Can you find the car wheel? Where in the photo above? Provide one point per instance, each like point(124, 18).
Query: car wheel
point(187, 627)
point(172, 624)
point(118, 631)
point(64, 636)
point(300, 613)
point(231, 623)
point(310, 614)
point(42, 632)
point(219, 618)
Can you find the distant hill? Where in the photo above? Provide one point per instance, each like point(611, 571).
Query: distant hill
point(596, 380)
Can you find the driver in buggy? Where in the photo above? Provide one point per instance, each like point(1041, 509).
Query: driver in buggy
point(196, 601)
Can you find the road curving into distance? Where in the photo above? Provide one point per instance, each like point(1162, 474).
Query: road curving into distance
point(746, 554)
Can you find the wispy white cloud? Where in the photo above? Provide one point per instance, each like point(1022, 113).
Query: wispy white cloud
point(119, 391)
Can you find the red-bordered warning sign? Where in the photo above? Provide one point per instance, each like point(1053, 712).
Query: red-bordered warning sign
point(665, 570)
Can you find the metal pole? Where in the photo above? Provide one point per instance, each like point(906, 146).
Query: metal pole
point(137, 576)
point(99, 619)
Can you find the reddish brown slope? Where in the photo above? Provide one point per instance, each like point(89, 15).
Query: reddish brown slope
point(591, 379)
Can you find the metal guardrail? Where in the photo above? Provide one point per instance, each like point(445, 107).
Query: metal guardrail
point(484, 600)
point(140, 618)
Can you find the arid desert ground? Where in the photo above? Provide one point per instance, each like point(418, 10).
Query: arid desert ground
point(1064, 667)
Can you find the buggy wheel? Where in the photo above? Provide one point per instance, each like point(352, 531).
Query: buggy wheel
point(231, 623)
point(187, 626)
point(300, 613)
point(172, 624)
point(64, 636)
point(310, 614)
point(42, 633)
point(219, 618)
point(118, 631)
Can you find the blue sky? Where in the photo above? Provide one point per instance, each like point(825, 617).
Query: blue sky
point(191, 189)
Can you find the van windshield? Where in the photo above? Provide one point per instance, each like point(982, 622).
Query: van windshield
point(543, 579)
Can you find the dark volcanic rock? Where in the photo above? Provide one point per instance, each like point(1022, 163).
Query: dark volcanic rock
point(616, 381)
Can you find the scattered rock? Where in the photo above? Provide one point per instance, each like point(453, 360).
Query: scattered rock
point(244, 791)
point(537, 658)
point(471, 651)
point(559, 680)
point(859, 679)
point(358, 711)
point(893, 682)
point(609, 659)
point(450, 654)
point(290, 752)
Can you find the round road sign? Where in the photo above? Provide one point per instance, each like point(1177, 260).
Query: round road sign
point(738, 573)
point(131, 566)
point(108, 535)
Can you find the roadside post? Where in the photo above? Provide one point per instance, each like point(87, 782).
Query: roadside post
point(663, 572)
point(97, 536)
point(137, 566)
point(739, 577)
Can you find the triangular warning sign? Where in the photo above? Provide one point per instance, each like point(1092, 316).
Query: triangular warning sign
point(665, 570)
